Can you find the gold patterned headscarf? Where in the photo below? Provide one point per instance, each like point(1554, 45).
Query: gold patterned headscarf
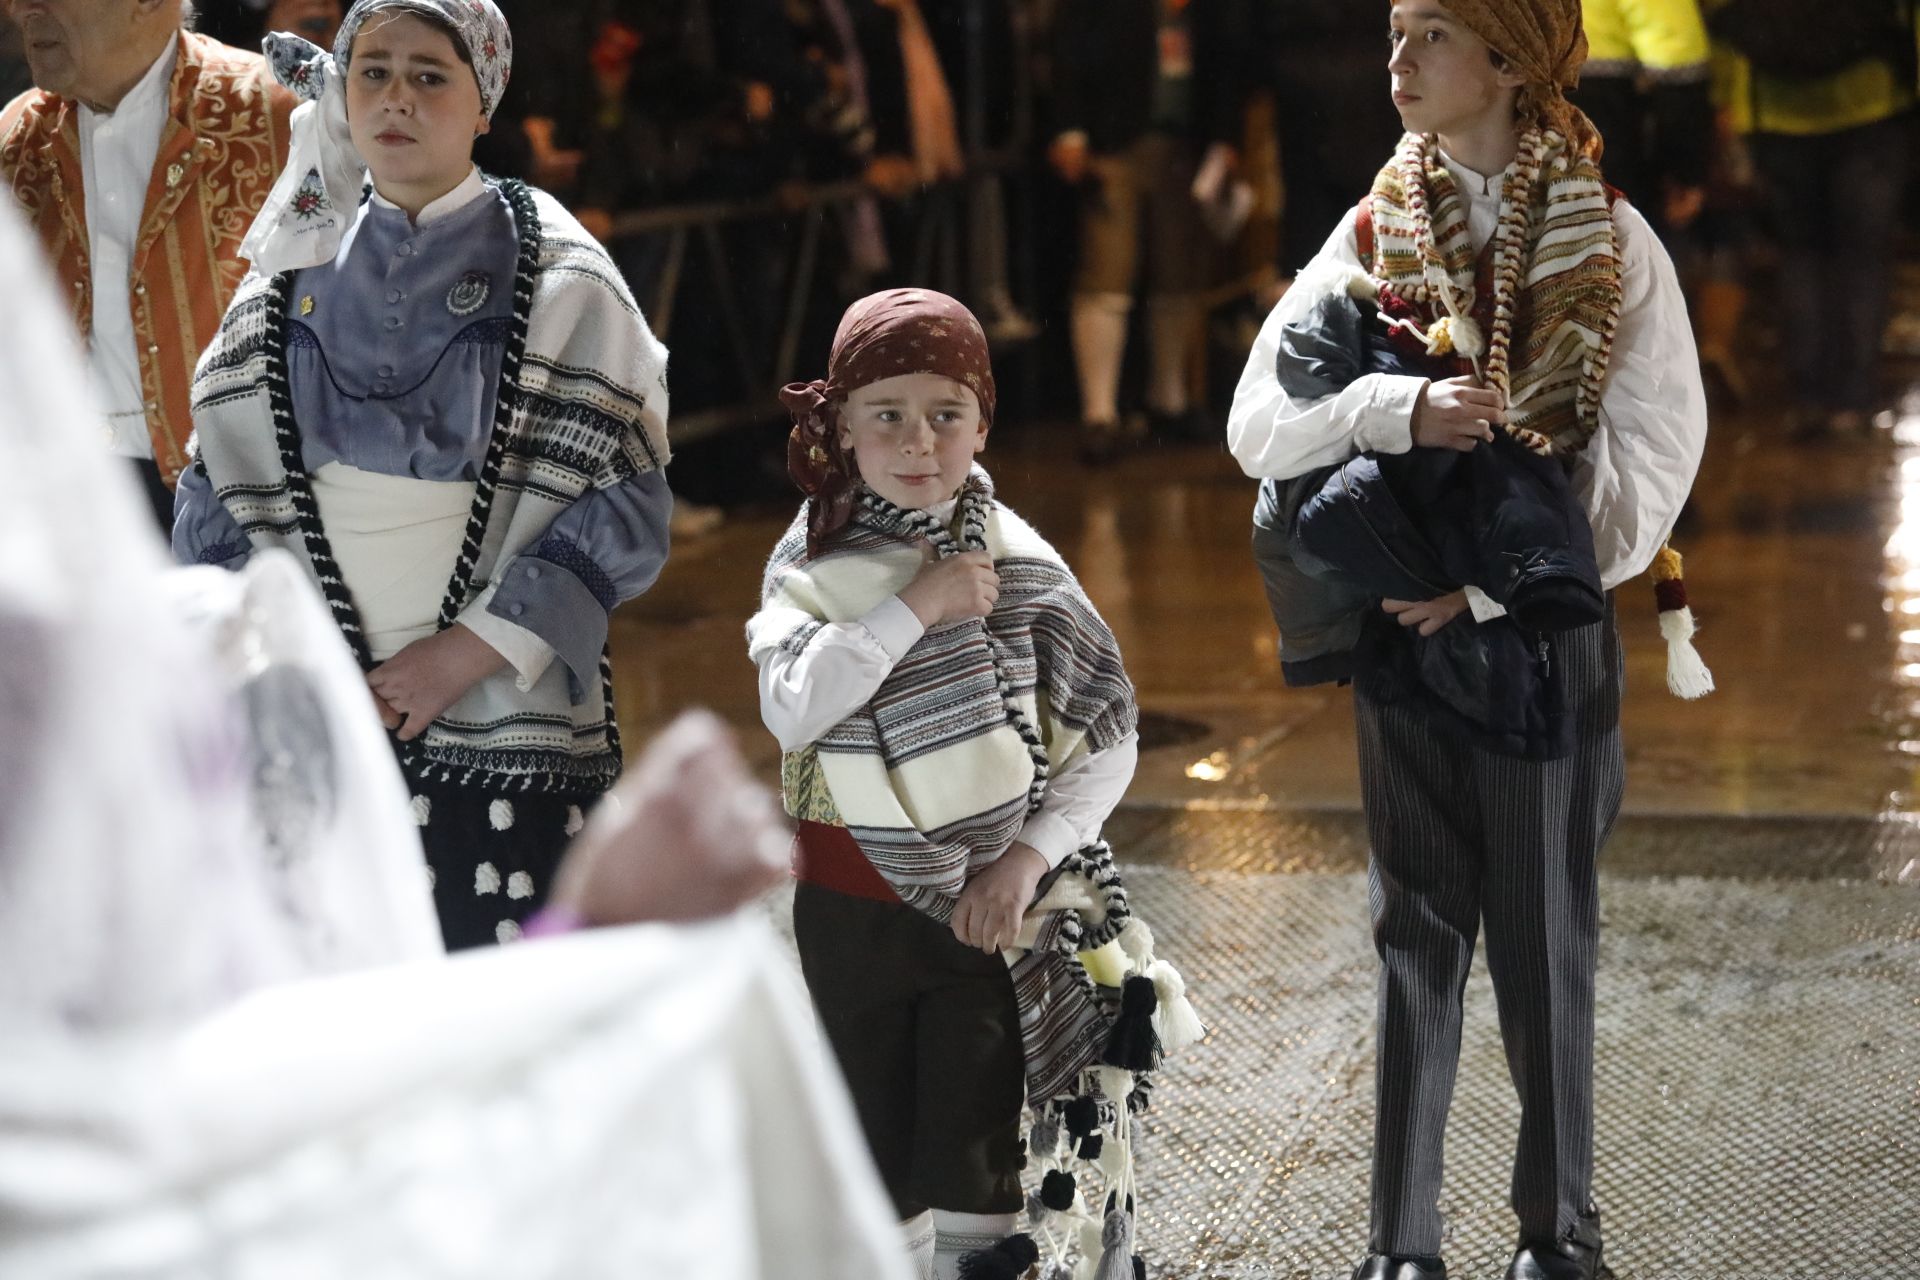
point(1544, 41)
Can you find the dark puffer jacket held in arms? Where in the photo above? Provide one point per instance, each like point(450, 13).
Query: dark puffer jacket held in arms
point(1333, 543)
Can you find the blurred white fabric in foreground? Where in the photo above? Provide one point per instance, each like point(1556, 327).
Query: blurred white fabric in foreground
point(199, 823)
point(642, 1102)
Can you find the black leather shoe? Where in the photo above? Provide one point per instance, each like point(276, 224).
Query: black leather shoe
point(1575, 1256)
point(1100, 443)
point(1379, 1266)
point(1186, 426)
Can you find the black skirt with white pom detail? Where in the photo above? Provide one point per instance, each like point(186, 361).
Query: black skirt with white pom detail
point(492, 855)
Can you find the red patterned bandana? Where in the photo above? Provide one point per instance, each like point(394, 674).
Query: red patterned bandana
point(882, 336)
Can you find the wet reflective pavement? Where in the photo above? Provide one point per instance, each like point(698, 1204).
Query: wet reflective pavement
point(1759, 1021)
point(1803, 564)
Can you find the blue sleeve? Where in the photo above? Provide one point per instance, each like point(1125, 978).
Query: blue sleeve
point(606, 548)
point(204, 531)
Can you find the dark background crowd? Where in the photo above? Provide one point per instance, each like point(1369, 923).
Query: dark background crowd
point(755, 164)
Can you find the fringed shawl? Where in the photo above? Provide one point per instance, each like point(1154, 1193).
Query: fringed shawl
point(1555, 278)
point(582, 405)
point(936, 775)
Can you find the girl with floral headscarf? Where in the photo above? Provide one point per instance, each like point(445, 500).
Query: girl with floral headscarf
point(436, 390)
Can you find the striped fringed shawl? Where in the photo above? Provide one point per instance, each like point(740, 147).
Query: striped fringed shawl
point(935, 776)
point(582, 405)
point(1555, 276)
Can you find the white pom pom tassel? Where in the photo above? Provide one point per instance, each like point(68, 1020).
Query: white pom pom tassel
point(1174, 1020)
point(1089, 1246)
point(1468, 342)
point(1687, 674)
point(1113, 1160)
point(1137, 941)
point(1361, 285)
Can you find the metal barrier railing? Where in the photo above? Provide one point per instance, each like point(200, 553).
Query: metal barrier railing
point(807, 213)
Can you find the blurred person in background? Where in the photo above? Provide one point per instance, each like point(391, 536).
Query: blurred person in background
point(244, 23)
point(1825, 95)
point(1335, 126)
point(1645, 87)
point(1143, 89)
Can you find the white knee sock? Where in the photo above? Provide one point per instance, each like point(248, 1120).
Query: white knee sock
point(917, 1231)
point(959, 1234)
point(1170, 321)
point(1099, 342)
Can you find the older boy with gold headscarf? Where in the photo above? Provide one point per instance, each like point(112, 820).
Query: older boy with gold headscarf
point(1526, 298)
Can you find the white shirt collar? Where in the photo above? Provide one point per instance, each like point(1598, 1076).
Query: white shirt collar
point(149, 89)
point(471, 188)
point(943, 511)
point(1474, 185)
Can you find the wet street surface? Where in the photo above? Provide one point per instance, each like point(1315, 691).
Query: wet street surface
point(1758, 1083)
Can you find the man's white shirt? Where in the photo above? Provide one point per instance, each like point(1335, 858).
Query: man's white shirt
point(117, 154)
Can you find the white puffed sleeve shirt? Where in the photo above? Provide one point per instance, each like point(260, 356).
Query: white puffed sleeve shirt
point(1633, 475)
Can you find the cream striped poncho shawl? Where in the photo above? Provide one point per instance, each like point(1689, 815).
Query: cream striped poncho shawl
point(935, 776)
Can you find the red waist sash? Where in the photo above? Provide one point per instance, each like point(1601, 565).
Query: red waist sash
point(830, 858)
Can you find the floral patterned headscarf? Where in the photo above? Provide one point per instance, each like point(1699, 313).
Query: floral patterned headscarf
point(882, 336)
point(478, 27)
point(311, 206)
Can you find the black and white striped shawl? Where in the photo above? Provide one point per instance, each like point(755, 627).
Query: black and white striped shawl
point(936, 775)
point(582, 405)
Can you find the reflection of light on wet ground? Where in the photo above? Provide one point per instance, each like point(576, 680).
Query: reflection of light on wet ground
point(1211, 769)
point(1906, 422)
point(1902, 581)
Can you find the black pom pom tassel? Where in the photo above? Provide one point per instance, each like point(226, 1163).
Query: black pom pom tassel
point(1132, 1043)
point(1008, 1260)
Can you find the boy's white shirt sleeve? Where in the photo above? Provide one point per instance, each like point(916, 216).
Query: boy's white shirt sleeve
point(1633, 476)
point(525, 652)
point(1636, 472)
point(1079, 799)
point(802, 695)
point(1274, 436)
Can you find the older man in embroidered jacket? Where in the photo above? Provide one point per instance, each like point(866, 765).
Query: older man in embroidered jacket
point(141, 156)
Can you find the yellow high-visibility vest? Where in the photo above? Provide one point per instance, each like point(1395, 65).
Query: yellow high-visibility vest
point(1865, 93)
point(1661, 39)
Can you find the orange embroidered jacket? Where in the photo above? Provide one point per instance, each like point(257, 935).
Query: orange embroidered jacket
point(224, 143)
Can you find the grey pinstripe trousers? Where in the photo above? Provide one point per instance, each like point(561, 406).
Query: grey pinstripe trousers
point(1458, 837)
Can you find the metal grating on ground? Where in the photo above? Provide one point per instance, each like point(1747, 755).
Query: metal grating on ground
point(1758, 1082)
point(1277, 839)
point(1758, 1086)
